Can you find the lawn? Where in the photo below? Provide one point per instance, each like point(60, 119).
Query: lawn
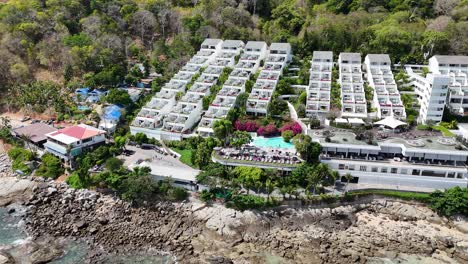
point(444, 131)
point(186, 156)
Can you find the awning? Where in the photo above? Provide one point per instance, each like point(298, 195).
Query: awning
point(341, 121)
point(356, 121)
point(390, 122)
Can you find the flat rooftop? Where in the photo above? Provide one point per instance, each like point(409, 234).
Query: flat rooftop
point(428, 143)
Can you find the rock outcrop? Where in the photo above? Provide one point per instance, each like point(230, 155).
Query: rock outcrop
point(198, 234)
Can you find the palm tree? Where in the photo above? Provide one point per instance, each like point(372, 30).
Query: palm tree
point(269, 188)
point(335, 175)
point(348, 178)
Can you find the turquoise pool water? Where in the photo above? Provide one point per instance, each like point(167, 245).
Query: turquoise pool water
point(274, 142)
point(83, 107)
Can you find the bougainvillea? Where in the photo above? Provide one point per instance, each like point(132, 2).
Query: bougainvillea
point(295, 127)
point(249, 126)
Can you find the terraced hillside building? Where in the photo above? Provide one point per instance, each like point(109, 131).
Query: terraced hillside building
point(150, 118)
point(431, 90)
point(387, 99)
point(318, 91)
point(226, 98)
point(187, 113)
point(278, 57)
point(455, 67)
point(353, 99)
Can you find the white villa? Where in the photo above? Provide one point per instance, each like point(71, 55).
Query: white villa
point(456, 67)
point(69, 142)
point(318, 91)
point(353, 99)
point(279, 56)
point(387, 99)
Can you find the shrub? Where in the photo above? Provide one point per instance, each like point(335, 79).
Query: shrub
point(51, 167)
point(287, 135)
point(178, 194)
point(452, 201)
point(295, 127)
point(245, 202)
point(249, 126)
point(20, 156)
point(207, 196)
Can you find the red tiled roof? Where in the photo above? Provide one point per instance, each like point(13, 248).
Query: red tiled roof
point(79, 132)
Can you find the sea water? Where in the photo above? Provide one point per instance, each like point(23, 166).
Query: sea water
point(12, 233)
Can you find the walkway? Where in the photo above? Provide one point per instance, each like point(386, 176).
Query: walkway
point(294, 117)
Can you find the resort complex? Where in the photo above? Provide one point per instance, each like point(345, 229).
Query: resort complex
point(226, 107)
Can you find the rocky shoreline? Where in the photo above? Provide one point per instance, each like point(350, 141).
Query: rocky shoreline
point(195, 233)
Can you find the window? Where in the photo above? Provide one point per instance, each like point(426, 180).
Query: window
point(363, 168)
point(351, 167)
point(403, 171)
point(394, 170)
point(341, 166)
point(383, 170)
point(375, 169)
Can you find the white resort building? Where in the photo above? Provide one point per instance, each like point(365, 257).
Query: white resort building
point(431, 91)
point(387, 99)
point(150, 119)
point(226, 98)
point(188, 110)
point(353, 99)
point(455, 67)
point(278, 57)
point(435, 163)
point(318, 91)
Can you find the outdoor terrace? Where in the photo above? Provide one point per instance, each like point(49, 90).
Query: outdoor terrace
point(253, 156)
point(235, 82)
point(239, 73)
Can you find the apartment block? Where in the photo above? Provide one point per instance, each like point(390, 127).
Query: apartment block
point(150, 119)
point(188, 110)
point(455, 67)
point(387, 99)
point(226, 98)
point(318, 91)
point(278, 57)
point(353, 99)
point(431, 91)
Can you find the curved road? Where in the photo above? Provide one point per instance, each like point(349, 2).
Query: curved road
point(293, 113)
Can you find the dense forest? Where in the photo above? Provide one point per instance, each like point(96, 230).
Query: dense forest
point(70, 43)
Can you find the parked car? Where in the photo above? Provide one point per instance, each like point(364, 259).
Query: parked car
point(34, 121)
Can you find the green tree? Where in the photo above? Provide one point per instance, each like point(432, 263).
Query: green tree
point(51, 167)
point(309, 150)
point(222, 129)
point(113, 164)
point(118, 96)
point(240, 138)
point(269, 188)
point(248, 176)
point(451, 201)
point(287, 135)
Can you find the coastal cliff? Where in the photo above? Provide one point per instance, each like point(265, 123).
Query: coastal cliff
point(193, 232)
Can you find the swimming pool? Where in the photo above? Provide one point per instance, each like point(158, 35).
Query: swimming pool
point(83, 107)
point(273, 142)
